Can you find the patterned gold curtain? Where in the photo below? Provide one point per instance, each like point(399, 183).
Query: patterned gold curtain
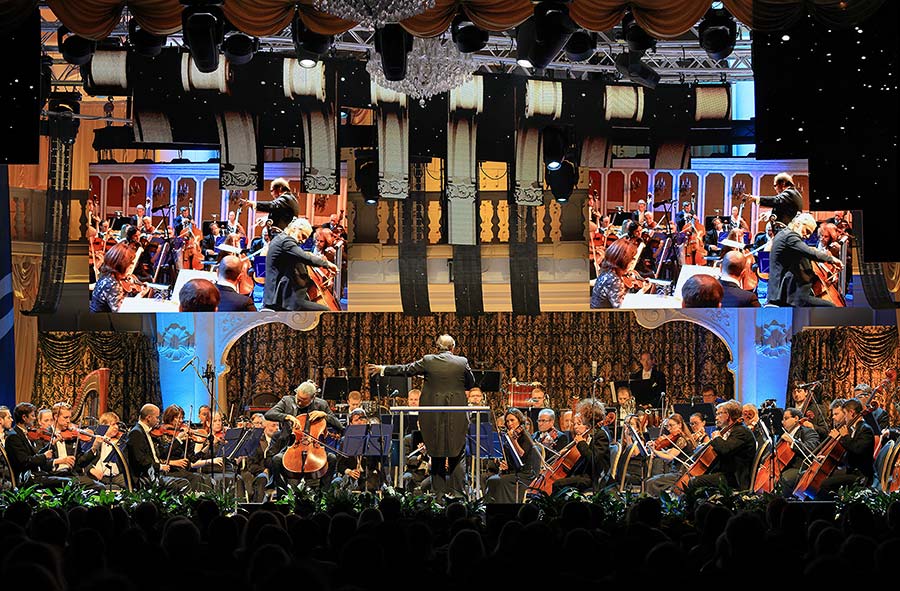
point(844, 357)
point(65, 358)
point(555, 349)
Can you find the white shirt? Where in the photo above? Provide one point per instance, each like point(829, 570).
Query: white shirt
point(793, 435)
point(646, 374)
point(109, 468)
point(61, 452)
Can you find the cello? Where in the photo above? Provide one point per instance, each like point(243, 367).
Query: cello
point(307, 454)
point(562, 467)
point(826, 460)
point(704, 458)
point(693, 249)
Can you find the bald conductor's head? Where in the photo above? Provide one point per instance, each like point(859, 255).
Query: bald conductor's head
point(733, 263)
point(230, 268)
point(445, 343)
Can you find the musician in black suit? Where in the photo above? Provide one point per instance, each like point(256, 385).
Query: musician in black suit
point(521, 462)
point(230, 269)
point(137, 220)
point(858, 465)
point(803, 440)
point(735, 449)
point(656, 378)
point(592, 442)
point(255, 477)
point(786, 204)
point(877, 418)
point(287, 276)
point(29, 464)
point(208, 244)
point(547, 434)
point(283, 208)
point(791, 260)
point(143, 460)
point(447, 377)
point(286, 412)
point(638, 214)
point(733, 265)
point(820, 422)
point(183, 218)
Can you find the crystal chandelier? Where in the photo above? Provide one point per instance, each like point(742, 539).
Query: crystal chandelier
point(374, 13)
point(433, 66)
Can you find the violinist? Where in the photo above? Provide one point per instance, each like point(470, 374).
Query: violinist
point(713, 237)
point(143, 460)
point(734, 268)
point(593, 444)
point(231, 269)
point(638, 214)
point(857, 438)
point(69, 460)
point(359, 473)
point(209, 460)
point(520, 464)
point(735, 448)
point(178, 445)
point(255, 477)
point(286, 411)
point(670, 454)
point(815, 417)
point(804, 440)
point(25, 458)
point(615, 275)
point(6, 423)
point(114, 283)
point(697, 424)
point(791, 270)
point(752, 421)
point(547, 434)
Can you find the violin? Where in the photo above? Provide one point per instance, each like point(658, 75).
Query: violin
point(663, 442)
point(194, 435)
point(75, 433)
point(39, 434)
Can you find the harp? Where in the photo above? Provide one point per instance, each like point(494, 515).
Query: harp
point(90, 400)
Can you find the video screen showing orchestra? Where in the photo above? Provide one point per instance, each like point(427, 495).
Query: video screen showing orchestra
point(726, 233)
point(165, 238)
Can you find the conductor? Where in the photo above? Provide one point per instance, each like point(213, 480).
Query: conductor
point(447, 377)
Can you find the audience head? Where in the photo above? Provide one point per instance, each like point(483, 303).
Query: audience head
point(198, 295)
point(702, 291)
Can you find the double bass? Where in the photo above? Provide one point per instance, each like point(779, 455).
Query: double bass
point(693, 249)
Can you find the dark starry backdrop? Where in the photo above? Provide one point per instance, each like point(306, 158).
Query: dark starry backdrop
point(830, 94)
point(20, 103)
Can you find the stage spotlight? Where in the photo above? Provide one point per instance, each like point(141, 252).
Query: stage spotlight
point(552, 30)
point(554, 143)
point(309, 45)
point(466, 35)
point(630, 66)
point(636, 37)
point(144, 42)
point(74, 49)
point(239, 48)
point(562, 181)
point(524, 43)
point(392, 43)
point(718, 33)
point(581, 46)
point(203, 30)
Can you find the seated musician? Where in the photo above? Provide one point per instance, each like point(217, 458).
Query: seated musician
point(630, 454)
point(592, 443)
point(565, 422)
point(547, 435)
point(230, 271)
point(876, 417)
point(610, 288)
point(109, 291)
point(625, 400)
point(753, 422)
point(670, 454)
point(143, 461)
point(520, 464)
point(417, 462)
point(181, 450)
point(6, 423)
point(359, 473)
point(713, 237)
point(210, 242)
point(819, 422)
point(68, 448)
point(286, 412)
point(803, 440)
point(697, 434)
point(257, 420)
point(734, 265)
point(411, 423)
point(708, 393)
point(30, 464)
point(287, 275)
point(790, 268)
point(255, 477)
point(210, 460)
point(354, 400)
point(735, 449)
point(475, 397)
point(105, 467)
point(538, 398)
point(234, 226)
point(857, 465)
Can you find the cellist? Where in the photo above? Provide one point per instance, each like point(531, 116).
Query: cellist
point(857, 438)
point(592, 443)
point(734, 446)
point(803, 440)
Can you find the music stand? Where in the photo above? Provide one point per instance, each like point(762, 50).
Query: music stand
point(369, 440)
point(704, 408)
point(337, 388)
point(241, 442)
point(642, 392)
point(384, 386)
point(487, 380)
point(490, 442)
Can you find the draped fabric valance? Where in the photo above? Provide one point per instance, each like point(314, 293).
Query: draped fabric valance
point(663, 19)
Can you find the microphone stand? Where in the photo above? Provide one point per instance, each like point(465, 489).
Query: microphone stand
point(772, 454)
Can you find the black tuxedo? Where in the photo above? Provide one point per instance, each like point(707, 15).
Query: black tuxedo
point(23, 455)
point(232, 301)
point(737, 297)
point(790, 271)
point(808, 440)
point(254, 479)
point(288, 406)
point(287, 277)
point(140, 455)
point(657, 385)
point(281, 210)
point(711, 241)
point(860, 446)
point(784, 206)
point(734, 459)
point(594, 465)
point(209, 244)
